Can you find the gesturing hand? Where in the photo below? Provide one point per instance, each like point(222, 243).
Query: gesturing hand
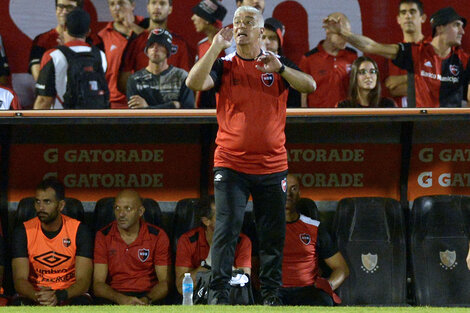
point(223, 39)
point(333, 24)
point(270, 62)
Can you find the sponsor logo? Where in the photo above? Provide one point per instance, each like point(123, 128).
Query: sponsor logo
point(113, 47)
point(284, 184)
point(425, 179)
point(267, 79)
point(454, 69)
point(305, 238)
point(218, 177)
point(369, 262)
point(52, 259)
point(450, 79)
point(448, 259)
point(143, 254)
point(428, 64)
point(66, 242)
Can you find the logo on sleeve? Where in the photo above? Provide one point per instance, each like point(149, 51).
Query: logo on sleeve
point(143, 254)
point(267, 79)
point(305, 238)
point(66, 242)
point(454, 69)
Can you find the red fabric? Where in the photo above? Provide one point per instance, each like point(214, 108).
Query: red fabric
point(251, 113)
point(331, 73)
point(191, 252)
point(131, 268)
point(324, 284)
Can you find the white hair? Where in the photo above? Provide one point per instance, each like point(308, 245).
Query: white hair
point(258, 16)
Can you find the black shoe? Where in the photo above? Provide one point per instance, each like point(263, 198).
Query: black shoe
point(272, 301)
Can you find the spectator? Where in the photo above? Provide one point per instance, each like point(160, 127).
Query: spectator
point(115, 37)
point(4, 68)
point(134, 56)
point(307, 241)
point(159, 85)
point(364, 86)
point(272, 39)
point(192, 253)
point(8, 99)
point(132, 257)
point(410, 18)
point(439, 68)
point(54, 79)
point(52, 253)
point(250, 157)
point(329, 64)
point(207, 19)
point(52, 38)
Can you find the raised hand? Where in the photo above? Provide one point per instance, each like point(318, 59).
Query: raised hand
point(223, 39)
point(333, 25)
point(270, 62)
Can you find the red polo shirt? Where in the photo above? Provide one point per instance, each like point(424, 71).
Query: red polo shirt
point(131, 268)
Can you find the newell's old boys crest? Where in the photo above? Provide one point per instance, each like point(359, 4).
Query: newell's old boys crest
point(369, 262)
point(448, 259)
point(454, 69)
point(66, 242)
point(144, 254)
point(284, 184)
point(267, 79)
point(305, 238)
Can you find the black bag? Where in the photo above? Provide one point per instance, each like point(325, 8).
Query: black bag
point(87, 87)
point(239, 295)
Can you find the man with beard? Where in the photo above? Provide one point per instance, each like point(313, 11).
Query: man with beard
point(52, 253)
point(132, 257)
point(135, 58)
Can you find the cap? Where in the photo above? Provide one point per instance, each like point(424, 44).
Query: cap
point(162, 37)
point(445, 16)
point(276, 26)
point(212, 11)
point(77, 23)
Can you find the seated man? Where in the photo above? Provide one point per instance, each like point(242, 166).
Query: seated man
point(305, 244)
point(192, 254)
point(159, 85)
point(52, 253)
point(132, 257)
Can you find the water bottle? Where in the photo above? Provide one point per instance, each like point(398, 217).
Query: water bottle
point(187, 289)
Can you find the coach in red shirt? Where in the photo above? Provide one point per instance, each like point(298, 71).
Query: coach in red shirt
point(132, 257)
point(250, 157)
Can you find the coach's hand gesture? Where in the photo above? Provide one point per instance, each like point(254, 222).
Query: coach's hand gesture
point(223, 39)
point(270, 62)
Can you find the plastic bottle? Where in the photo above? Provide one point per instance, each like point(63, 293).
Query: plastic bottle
point(187, 289)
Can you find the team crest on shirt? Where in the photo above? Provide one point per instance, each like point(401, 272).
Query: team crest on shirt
point(267, 79)
point(454, 69)
point(66, 242)
point(284, 184)
point(143, 254)
point(305, 238)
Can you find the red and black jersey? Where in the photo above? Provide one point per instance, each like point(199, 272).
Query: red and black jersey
point(135, 58)
point(436, 81)
point(194, 248)
point(8, 99)
point(131, 268)
point(41, 44)
point(331, 73)
point(304, 245)
point(251, 113)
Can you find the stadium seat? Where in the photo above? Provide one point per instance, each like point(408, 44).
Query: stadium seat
point(370, 233)
point(185, 219)
point(439, 246)
point(26, 211)
point(308, 207)
point(104, 212)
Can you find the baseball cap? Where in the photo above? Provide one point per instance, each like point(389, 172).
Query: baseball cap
point(211, 10)
point(162, 37)
point(77, 23)
point(276, 26)
point(445, 16)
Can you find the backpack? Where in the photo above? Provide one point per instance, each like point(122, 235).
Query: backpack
point(87, 87)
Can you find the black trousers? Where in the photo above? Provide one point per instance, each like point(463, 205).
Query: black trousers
point(232, 190)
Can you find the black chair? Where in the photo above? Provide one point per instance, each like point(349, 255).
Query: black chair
point(308, 207)
point(104, 212)
point(185, 219)
point(370, 233)
point(26, 211)
point(439, 246)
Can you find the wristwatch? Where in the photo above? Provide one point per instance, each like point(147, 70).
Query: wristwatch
point(282, 69)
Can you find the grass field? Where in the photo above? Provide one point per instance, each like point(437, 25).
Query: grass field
point(228, 309)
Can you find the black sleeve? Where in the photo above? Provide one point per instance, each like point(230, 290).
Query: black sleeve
point(326, 247)
point(186, 97)
point(84, 242)
point(36, 54)
point(131, 87)
point(45, 85)
point(19, 244)
point(216, 73)
point(289, 63)
point(4, 69)
point(404, 57)
point(3, 251)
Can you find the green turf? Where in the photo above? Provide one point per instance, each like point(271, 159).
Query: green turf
point(228, 309)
